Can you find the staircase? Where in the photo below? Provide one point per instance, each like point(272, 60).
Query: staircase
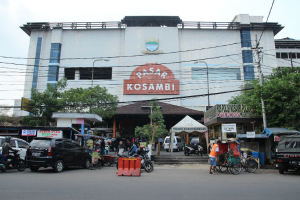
point(179, 159)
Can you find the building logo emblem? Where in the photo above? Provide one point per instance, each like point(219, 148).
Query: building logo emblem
point(151, 46)
point(152, 79)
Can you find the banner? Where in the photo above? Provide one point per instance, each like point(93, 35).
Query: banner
point(50, 134)
point(28, 132)
point(250, 134)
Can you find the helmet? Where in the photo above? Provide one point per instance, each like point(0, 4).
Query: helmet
point(142, 146)
point(7, 139)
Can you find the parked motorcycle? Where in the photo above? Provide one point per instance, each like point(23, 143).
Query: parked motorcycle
point(18, 164)
point(193, 149)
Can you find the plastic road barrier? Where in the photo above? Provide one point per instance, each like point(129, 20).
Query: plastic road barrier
point(129, 166)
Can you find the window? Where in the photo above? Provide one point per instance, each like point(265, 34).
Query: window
point(77, 146)
point(249, 72)
point(298, 55)
point(292, 55)
point(167, 140)
point(2, 141)
point(216, 74)
point(292, 145)
point(247, 56)
point(178, 140)
point(37, 62)
point(246, 38)
point(13, 143)
point(53, 73)
point(100, 73)
point(277, 55)
point(284, 55)
point(68, 145)
point(59, 143)
point(70, 73)
point(55, 52)
point(22, 144)
point(40, 143)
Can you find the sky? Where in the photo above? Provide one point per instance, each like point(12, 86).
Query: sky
point(14, 13)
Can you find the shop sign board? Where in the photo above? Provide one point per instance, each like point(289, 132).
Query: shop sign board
point(250, 134)
point(28, 132)
point(151, 79)
point(50, 134)
point(229, 128)
point(25, 103)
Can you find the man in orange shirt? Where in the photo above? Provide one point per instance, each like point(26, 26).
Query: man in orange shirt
point(213, 157)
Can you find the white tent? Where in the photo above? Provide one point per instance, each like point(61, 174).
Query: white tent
point(187, 125)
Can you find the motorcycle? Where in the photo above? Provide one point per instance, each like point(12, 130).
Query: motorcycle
point(193, 149)
point(18, 164)
point(145, 161)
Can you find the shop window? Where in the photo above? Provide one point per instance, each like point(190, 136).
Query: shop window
point(247, 56)
point(246, 38)
point(216, 74)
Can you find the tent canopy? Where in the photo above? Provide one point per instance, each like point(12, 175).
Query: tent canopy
point(188, 125)
point(279, 131)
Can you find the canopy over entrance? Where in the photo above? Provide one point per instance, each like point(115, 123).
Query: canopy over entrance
point(187, 125)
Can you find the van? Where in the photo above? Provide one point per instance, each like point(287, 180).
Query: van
point(58, 153)
point(178, 143)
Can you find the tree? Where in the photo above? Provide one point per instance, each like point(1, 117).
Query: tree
point(156, 128)
point(95, 100)
point(280, 92)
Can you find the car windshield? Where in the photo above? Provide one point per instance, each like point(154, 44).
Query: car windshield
point(167, 140)
point(40, 143)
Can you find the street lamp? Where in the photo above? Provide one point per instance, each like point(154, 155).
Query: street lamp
point(93, 68)
point(201, 61)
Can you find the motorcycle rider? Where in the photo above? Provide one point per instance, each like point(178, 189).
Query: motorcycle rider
point(134, 149)
point(5, 150)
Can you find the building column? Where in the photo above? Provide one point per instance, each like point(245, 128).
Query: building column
point(187, 139)
point(82, 128)
point(114, 127)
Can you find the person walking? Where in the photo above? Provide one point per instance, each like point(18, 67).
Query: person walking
point(213, 157)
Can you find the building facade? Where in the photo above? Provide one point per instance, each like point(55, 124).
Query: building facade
point(140, 57)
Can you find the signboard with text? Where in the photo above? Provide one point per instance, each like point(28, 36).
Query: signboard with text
point(250, 134)
point(50, 134)
point(150, 79)
point(28, 132)
point(229, 128)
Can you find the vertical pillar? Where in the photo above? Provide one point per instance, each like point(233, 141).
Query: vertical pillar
point(82, 128)
point(71, 135)
point(187, 139)
point(114, 127)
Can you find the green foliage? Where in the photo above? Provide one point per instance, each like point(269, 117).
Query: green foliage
point(94, 100)
point(280, 92)
point(157, 128)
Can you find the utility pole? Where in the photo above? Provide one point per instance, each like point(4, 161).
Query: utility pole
point(257, 52)
point(291, 57)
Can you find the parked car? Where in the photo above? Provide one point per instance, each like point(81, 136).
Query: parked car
point(18, 144)
point(178, 143)
point(58, 153)
point(195, 141)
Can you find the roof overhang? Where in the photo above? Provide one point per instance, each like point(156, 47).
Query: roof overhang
point(88, 116)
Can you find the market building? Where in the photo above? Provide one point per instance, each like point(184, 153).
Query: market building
point(145, 57)
point(287, 52)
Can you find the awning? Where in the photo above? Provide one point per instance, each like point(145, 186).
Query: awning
point(241, 136)
point(279, 131)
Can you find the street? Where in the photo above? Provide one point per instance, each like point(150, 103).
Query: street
point(165, 182)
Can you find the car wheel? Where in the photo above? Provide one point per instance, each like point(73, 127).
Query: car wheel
point(34, 168)
point(167, 150)
point(87, 164)
point(281, 171)
point(22, 165)
point(59, 166)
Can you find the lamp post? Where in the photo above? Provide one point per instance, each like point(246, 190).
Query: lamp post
point(200, 61)
point(93, 69)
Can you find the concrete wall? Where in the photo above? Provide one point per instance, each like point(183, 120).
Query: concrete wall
point(131, 41)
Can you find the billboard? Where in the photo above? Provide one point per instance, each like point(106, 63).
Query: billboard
point(50, 134)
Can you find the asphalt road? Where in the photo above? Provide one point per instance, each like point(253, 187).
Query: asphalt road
point(165, 182)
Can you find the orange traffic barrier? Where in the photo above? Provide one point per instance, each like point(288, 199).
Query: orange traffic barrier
point(129, 166)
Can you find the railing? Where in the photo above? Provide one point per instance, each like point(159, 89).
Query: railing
point(209, 25)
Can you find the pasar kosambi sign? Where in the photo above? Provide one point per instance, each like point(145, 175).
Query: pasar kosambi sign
point(151, 78)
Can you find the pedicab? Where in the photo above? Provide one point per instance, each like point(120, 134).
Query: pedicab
point(230, 158)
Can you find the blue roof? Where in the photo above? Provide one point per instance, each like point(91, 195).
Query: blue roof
point(277, 131)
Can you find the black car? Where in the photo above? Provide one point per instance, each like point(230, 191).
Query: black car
point(58, 153)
